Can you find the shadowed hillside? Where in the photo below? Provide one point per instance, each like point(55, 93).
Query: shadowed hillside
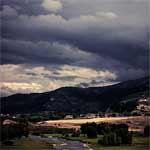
point(74, 99)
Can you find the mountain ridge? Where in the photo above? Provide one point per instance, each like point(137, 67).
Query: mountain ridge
point(74, 99)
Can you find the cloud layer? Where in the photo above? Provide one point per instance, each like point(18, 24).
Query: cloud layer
point(85, 42)
point(20, 78)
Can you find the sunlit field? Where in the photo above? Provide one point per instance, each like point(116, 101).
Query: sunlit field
point(81, 121)
point(135, 123)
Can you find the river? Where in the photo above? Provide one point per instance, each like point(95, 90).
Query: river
point(67, 144)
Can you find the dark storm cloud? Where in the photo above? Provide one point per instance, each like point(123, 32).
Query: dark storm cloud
point(30, 7)
point(96, 82)
point(101, 35)
point(44, 53)
point(28, 52)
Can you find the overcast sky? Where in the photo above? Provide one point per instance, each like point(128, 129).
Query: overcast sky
point(47, 44)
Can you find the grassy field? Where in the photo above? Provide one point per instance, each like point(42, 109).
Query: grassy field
point(28, 144)
point(135, 123)
point(139, 143)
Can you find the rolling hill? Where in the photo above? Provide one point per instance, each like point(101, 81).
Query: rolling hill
point(75, 99)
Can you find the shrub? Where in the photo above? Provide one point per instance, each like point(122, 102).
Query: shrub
point(75, 134)
point(84, 128)
point(126, 137)
point(9, 132)
point(116, 138)
point(147, 131)
point(66, 135)
point(43, 136)
point(111, 140)
point(103, 128)
point(91, 132)
point(8, 143)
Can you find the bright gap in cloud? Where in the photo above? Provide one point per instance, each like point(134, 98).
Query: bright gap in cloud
point(52, 5)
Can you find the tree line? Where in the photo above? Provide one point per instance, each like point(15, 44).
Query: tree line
point(112, 134)
point(15, 130)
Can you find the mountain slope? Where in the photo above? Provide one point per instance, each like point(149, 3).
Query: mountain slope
point(74, 99)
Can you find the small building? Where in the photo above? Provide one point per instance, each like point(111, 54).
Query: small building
point(90, 116)
point(68, 117)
